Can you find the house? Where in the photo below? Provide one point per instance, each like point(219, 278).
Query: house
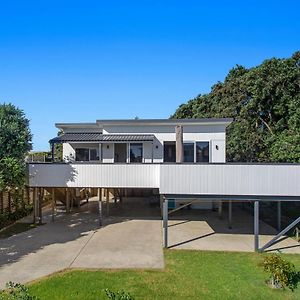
point(184, 161)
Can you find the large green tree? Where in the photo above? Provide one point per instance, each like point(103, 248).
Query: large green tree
point(264, 102)
point(15, 142)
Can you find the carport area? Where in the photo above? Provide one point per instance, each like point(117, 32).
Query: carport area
point(227, 227)
point(130, 237)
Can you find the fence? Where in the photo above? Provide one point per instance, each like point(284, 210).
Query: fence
point(9, 203)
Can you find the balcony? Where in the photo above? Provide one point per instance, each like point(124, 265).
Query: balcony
point(93, 175)
point(227, 180)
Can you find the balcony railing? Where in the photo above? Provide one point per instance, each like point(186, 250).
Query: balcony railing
point(93, 175)
point(184, 179)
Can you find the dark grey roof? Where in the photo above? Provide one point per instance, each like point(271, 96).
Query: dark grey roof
point(99, 137)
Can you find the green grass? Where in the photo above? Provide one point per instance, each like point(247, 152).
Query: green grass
point(15, 229)
point(188, 275)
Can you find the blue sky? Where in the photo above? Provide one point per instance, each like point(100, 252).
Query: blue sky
point(78, 61)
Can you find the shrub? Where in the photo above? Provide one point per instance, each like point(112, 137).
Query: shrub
point(283, 274)
point(118, 295)
point(7, 218)
point(16, 291)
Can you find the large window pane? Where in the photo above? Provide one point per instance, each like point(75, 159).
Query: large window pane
point(120, 153)
point(82, 154)
point(136, 152)
point(188, 152)
point(202, 151)
point(94, 154)
point(169, 152)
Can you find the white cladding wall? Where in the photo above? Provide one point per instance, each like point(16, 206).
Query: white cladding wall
point(94, 175)
point(184, 179)
point(230, 179)
point(108, 153)
point(218, 151)
point(215, 134)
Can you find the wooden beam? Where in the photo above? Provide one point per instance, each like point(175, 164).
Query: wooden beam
point(67, 201)
point(107, 202)
point(72, 199)
point(9, 202)
point(179, 143)
point(28, 194)
point(53, 203)
point(34, 204)
point(100, 207)
point(40, 206)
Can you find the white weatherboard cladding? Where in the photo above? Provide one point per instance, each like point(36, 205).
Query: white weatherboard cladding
point(227, 179)
point(94, 175)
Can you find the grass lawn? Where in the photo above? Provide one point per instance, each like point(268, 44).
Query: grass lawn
point(15, 229)
point(188, 275)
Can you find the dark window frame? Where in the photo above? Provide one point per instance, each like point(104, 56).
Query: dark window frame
point(192, 143)
point(208, 149)
point(142, 154)
point(88, 152)
point(169, 144)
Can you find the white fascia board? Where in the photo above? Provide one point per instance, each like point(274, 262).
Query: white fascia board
point(185, 122)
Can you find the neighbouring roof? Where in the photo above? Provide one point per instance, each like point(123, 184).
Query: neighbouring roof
point(99, 137)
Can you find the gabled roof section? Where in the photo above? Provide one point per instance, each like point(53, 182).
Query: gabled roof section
point(99, 137)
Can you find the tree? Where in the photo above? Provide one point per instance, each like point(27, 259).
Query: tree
point(15, 142)
point(264, 103)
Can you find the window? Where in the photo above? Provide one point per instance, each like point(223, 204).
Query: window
point(120, 153)
point(94, 154)
point(169, 152)
point(188, 152)
point(82, 154)
point(136, 152)
point(86, 154)
point(202, 151)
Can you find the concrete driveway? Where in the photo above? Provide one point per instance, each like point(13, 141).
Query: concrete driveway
point(75, 241)
point(131, 237)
